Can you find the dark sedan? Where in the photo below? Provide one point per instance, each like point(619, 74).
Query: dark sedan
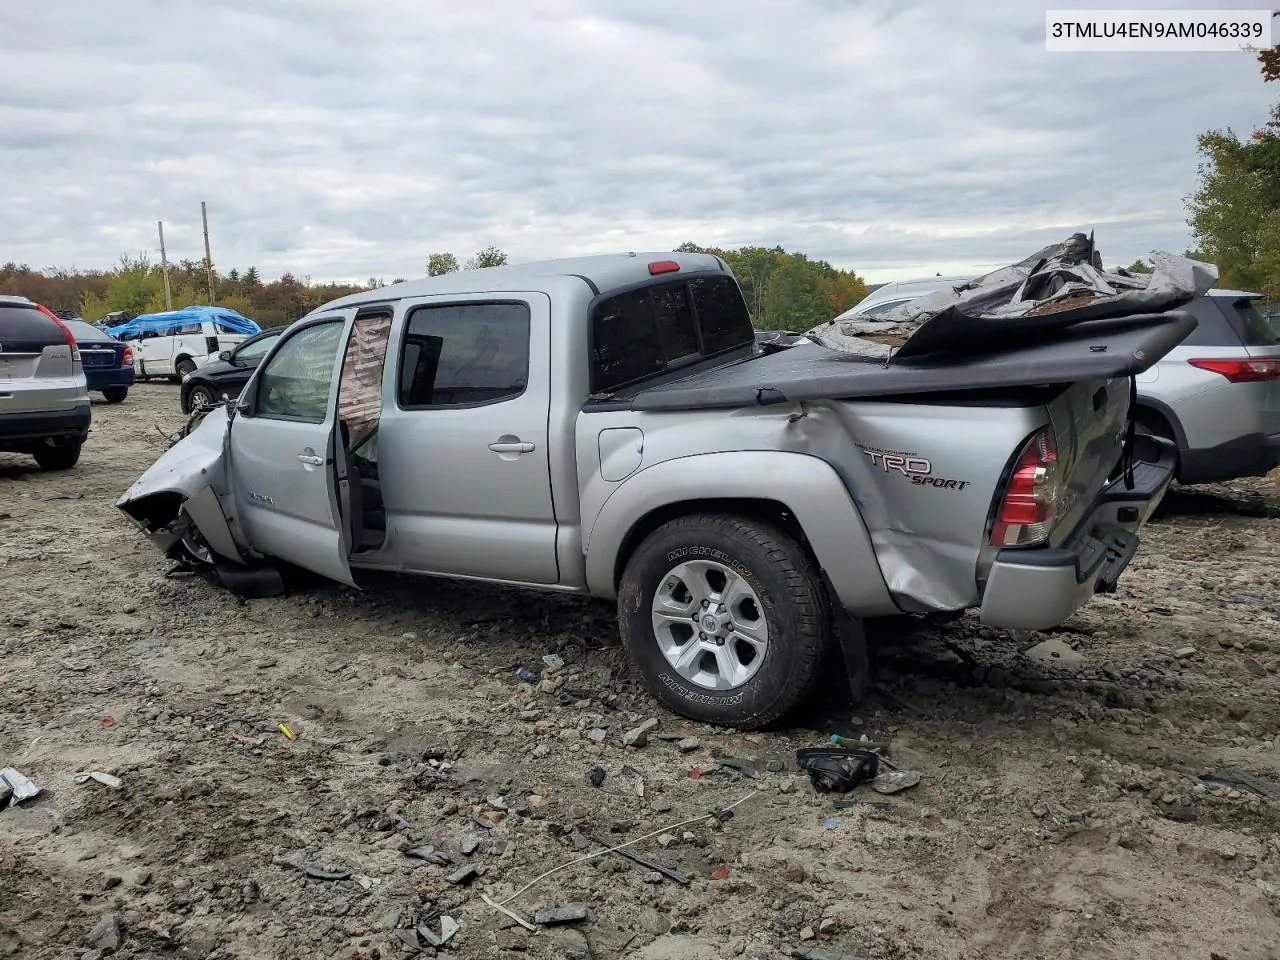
point(225, 377)
point(107, 363)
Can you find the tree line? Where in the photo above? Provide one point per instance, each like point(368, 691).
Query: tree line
point(783, 290)
point(1234, 212)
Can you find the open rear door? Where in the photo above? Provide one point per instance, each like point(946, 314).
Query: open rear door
point(284, 451)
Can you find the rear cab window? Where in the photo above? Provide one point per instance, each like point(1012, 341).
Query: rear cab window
point(664, 327)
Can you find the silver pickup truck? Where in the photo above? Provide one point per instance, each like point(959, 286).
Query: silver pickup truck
point(606, 426)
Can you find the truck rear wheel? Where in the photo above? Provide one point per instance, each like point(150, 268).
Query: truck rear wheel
point(726, 619)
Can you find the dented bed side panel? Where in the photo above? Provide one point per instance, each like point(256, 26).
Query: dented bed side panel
point(922, 479)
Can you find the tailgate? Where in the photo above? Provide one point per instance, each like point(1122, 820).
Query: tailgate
point(1090, 422)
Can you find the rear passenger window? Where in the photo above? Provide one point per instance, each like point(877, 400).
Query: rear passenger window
point(464, 354)
point(641, 333)
point(1212, 329)
point(1250, 323)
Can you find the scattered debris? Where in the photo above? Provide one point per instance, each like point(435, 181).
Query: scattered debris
point(449, 928)
point(596, 776)
point(831, 824)
point(249, 741)
point(639, 736)
point(553, 661)
point(429, 853)
point(653, 865)
point(551, 916)
point(1182, 653)
point(108, 721)
point(469, 844)
point(64, 496)
point(463, 875)
point(837, 769)
point(745, 767)
point(510, 913)
point(16, 787)
point(295, 861)
point(105, 936)
point(688, 744)
point(894, 781)
point(527, 675)
point(720, 873)
point(106, 779)
point(288, 734)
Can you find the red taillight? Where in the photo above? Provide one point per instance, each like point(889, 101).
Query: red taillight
point(1030, 501)
point(126, 358)
point(663, 266)
point(1242, 370)
point(66, 331)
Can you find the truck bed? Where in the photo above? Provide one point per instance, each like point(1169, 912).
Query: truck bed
point(1095, 350)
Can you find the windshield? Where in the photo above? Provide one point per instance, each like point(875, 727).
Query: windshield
point(257, 349)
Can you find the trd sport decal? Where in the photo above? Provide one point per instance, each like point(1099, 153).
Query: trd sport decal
point(918, 470)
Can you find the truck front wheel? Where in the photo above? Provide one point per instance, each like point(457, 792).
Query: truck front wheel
point(726, 619)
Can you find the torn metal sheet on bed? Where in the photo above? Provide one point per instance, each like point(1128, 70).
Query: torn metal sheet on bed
point(1059, 286)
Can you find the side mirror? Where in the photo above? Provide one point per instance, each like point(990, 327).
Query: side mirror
point(224, 355)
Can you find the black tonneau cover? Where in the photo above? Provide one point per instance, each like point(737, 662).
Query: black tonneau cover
point(1092, 350)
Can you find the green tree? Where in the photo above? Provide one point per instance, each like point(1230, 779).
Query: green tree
point(793, 296)
point(752, 266)
point(689, 247)
point(1139, 266)
point(490, 256)
point(438, 264)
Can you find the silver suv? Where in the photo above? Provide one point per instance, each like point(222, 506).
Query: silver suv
point(44, 400)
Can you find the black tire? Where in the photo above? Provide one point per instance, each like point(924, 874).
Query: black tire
point(183, 367)
point(115, 394)
point(58, 454)
point(792, 600)
point(199, 394)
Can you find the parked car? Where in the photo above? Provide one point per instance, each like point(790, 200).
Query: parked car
point(607, 426)
point(1217, 394)
point(108, 363)
point(895, 294)
point(169, 344)
point(225, 376)
point(44, 401)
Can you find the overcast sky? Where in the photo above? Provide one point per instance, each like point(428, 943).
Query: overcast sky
point(351, 138)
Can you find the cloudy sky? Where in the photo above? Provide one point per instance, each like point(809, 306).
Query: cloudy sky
point(351, 138)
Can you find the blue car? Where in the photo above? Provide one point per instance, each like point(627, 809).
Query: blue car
point(107, 363)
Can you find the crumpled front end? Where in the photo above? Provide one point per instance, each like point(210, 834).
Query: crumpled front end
point(179, 501)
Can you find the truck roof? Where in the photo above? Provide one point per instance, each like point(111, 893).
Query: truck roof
point(603, 272)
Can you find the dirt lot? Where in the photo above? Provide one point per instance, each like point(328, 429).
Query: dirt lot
point(1060, 811)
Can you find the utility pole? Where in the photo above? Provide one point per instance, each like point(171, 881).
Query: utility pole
point(208, 257)
point(164, 267)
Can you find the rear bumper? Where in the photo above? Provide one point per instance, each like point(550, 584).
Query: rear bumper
point(19, 430)
point(1040, 588)
point(107, 378)
point(1253, 455)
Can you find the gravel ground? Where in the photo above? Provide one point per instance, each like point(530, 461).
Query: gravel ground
point(1061, 810)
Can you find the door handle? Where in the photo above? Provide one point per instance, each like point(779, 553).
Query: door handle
point(313, 461)
point(511, 446)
